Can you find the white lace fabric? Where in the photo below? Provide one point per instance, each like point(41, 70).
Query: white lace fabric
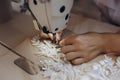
point(56, 67)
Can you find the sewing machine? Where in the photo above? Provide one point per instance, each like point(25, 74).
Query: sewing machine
point(49, 15)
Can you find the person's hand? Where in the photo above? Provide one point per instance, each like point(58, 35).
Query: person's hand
point(50, 36)
point(82, 48)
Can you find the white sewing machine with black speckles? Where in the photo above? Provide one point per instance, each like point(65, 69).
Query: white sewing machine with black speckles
point(52, 15)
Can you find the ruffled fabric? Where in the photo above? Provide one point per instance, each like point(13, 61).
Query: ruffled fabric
point(56, 67)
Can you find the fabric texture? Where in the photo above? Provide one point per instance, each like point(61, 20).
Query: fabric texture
point(110, 9)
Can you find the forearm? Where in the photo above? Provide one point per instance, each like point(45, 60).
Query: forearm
point(118, 32)
point(112, 43)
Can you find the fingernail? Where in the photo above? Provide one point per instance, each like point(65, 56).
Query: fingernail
point(50, 36)
point(61, 42)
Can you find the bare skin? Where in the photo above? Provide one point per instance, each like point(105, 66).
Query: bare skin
point(85, 47)
point(50, 36)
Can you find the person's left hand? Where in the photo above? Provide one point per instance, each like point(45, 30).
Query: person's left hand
point(82, 48)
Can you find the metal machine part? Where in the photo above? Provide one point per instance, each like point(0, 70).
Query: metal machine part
point(6, 15)
point(24, 63)
point(51, 16)
point(54, 38)
point(27, 65)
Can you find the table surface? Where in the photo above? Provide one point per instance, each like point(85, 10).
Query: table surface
point(78, 24)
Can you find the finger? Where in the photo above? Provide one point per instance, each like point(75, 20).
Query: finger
point(73, 55)
point(79, 61)
point(58, 35)
point(50, 36)
point(67, 41)
point(114, 57)
point(43, 35)
point(114, 53)
point(68, 48)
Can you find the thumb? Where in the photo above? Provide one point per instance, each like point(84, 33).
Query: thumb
point(62, 42)
point(66, 41)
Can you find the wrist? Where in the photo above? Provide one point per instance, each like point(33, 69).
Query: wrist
point(112, 42)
